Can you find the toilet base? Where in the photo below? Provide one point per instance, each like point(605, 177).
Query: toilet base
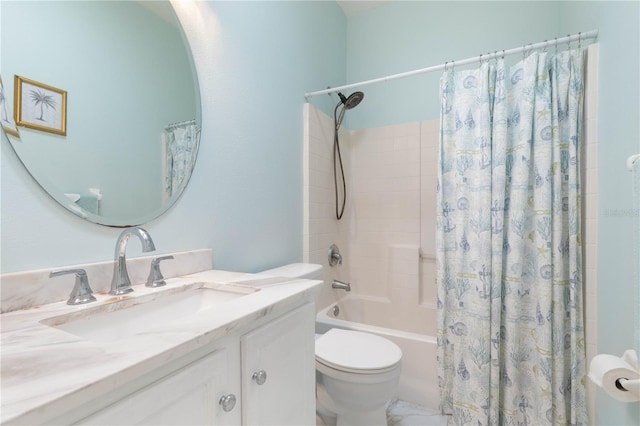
point(372, 418)
point(326, 409)
point(323, 420)
point(376, 417)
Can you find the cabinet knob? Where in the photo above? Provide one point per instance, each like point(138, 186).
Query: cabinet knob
point(228, 402)
point(260, 377)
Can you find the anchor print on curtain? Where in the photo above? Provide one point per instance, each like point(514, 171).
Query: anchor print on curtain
point(510, 328)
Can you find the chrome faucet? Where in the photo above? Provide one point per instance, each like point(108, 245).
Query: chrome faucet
point(341, 285)
point(121, 284)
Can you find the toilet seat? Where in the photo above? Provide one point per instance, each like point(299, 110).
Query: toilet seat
point(357, 352)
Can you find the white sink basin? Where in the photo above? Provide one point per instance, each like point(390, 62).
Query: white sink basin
point(128, 316)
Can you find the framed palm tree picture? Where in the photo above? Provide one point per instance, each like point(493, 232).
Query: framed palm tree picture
point(40, 106)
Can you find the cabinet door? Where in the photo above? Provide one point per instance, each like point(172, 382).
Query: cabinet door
point(189, 396)
point(284, 349)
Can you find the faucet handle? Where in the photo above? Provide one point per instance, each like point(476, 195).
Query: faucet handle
point(155, 278)
point(335, 257)
point(81, 292)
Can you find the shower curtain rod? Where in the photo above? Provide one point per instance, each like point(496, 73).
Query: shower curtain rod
point(487, 56)
point(180, 123)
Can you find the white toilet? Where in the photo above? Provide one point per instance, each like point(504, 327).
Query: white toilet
point(356, 373)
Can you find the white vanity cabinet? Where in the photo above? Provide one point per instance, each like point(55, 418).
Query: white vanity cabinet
point(186, 397)
point(266, 374)
point(278, 371)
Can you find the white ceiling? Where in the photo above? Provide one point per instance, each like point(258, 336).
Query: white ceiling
point(353, 7)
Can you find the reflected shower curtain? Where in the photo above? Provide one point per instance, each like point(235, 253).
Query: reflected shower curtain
point(510, 315)
point(180, 148)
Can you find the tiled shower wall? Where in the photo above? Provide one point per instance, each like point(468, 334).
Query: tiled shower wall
point(393, 182)
point(321, 229)
point(389, 219)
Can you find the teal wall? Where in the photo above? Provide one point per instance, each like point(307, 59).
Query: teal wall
point(266, 56)
point(403, 36)
point(255, 61)
point(619, 137)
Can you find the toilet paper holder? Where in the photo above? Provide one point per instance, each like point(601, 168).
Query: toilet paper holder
point(627, 385)
point(618, 376)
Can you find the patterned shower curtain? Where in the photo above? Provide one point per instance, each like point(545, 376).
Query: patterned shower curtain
point(509, 262)
point(180, 148)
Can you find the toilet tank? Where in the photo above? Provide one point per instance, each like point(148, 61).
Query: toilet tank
point(309, 271)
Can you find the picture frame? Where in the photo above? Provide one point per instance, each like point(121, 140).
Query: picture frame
point(6, 117)
point(40, 106)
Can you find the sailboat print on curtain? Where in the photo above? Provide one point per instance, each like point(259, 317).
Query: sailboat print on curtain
point(509, 271)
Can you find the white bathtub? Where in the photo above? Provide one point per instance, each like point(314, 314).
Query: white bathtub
point(419, 378)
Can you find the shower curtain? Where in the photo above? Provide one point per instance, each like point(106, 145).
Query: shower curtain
point(509, 272)
point(180, 148)
point(636, 257)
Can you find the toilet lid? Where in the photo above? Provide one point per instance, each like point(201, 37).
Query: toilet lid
point(355, 350)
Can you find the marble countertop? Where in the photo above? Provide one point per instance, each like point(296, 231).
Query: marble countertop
point(46, 371)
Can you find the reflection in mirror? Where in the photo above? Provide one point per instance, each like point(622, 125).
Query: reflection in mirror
point(132, 109)
point(6, 117)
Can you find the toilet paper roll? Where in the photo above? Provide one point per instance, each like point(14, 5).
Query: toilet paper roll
point(605, 370)
point(631, 357)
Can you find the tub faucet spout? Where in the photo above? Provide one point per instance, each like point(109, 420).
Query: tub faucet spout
point(341, 285)
point(121, 284)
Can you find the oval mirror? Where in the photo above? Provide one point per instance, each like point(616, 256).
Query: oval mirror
point(106, 102)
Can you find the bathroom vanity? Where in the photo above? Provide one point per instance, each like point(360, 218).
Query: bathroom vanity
point(212, 347)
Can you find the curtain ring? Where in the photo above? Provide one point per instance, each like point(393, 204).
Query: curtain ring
point(480, 59)
point(579, 40)
point(453, 65)
point(445, 66)
point(569, 42)
point(556, 43)
point(503, 53)
point(544, 49)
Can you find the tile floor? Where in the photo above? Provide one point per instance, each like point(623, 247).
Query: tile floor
point(402, 413)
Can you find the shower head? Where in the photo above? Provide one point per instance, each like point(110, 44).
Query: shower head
point(352, 101)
